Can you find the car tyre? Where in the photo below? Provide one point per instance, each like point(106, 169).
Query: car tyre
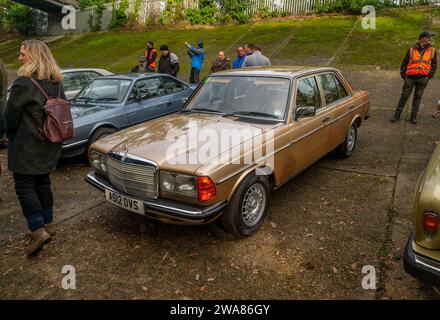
point(101, 133)
point(248, 206)
point(345, 149)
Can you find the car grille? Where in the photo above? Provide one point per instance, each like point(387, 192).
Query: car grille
point(133, 179)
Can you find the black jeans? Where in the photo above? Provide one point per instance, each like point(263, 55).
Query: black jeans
point(194, 76)
point(408, 85)
point(36, 199)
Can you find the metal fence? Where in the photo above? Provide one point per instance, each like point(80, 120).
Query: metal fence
point(301, 6)
point(153, 8)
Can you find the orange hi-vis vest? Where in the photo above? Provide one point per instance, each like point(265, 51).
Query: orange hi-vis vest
point(420, 64)
point(153, 63)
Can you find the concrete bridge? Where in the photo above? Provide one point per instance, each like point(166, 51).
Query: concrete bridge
point(49, 6)
point(53, 8)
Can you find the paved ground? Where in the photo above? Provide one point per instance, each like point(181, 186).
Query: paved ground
point(322, 228)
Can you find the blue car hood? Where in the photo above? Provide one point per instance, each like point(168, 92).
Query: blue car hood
point(81, 110)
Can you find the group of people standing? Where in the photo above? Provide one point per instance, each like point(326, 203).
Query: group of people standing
point(249, 55)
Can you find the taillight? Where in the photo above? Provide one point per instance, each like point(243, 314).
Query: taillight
point(430, 223)
point(206, 189)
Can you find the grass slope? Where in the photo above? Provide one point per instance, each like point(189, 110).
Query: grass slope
point(304, 40)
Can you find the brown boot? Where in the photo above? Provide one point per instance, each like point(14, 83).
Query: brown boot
point(38, 239)
point(50, 229)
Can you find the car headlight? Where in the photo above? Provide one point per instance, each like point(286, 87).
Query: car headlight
point(98, 161)
point(176, 183)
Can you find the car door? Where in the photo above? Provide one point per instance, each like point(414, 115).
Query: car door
point(74, 82)
point(178, 93)
point(148, 100)
point(339, 103)
point(310, 134)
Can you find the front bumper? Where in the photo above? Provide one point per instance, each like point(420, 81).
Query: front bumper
point(420, 266)
point(166, 210)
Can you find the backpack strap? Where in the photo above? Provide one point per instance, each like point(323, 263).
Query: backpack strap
point(35, 82)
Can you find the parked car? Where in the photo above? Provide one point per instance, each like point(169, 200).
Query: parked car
point(112, 103)
point(299, 115)
point(76, 79)
point(422, 253)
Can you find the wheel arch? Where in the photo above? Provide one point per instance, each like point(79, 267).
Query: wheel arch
point(266, 170)
point(100, 126)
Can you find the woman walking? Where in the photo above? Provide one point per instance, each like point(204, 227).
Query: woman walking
point(31, 157)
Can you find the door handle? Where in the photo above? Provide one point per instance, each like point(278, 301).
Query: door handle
point(169, 104)
point(326, 119)
point(351, 107)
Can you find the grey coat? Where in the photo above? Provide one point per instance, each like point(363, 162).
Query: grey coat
point(29, 153)
point(3, 93)
point(256, 59)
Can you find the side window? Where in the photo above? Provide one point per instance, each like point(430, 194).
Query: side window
point(308, 93)
point(91, 75)
point(329, 88)
point(74, 81)
point(341, 89)
point(150, 88)
point(172, 85)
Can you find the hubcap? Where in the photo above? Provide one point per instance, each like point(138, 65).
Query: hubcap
point(254, 202)
point(351, 139)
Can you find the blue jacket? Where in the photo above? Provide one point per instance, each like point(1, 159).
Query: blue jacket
point(197, 56)
point(238, 62)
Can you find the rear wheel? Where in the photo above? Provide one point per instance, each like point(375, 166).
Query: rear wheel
point(345, 149)
point(248, 207)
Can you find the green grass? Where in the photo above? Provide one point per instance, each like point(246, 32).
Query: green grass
point(317, 39)
point(313, 41)
point(386, 45)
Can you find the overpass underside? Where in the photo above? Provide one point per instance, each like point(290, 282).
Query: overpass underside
point(49, 6)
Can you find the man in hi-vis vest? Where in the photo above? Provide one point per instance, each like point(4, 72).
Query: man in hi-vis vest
point(417, 68)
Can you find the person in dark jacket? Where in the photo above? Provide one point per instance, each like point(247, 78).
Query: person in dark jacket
point(238, 62)
point(197, 55)
point(168, 62)
point(3, 94)
point(221, 63)
point(32, 158)
point(141, 67)
point(418, 67)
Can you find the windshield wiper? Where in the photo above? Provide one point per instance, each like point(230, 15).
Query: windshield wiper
point(202, 110)
point(85, 99)
point(252, 113)
point(105, 99)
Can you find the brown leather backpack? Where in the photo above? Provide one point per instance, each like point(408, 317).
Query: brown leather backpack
point(58, 124)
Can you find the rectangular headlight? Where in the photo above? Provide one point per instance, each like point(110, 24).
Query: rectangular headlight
point(98, 161)
point(180, 184)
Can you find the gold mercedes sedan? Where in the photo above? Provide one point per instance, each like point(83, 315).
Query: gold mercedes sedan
point(241, 135)
point(422, 253)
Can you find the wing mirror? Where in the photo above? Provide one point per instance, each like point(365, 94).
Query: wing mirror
point(303, 112)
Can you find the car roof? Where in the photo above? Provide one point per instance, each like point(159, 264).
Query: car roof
point(103, 71)
point(134, 76)
point(279, 71)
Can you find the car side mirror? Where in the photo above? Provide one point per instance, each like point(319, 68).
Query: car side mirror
point(303, 112)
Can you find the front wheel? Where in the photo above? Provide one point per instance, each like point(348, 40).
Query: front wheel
point(248, 207)
point(345, 149)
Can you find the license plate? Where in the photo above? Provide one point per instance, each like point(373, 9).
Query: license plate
point(125, 202)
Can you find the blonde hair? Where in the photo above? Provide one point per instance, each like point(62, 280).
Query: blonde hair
point(41, 64)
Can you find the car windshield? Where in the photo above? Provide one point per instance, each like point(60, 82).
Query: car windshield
point(107, 90)
point(244, 96)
